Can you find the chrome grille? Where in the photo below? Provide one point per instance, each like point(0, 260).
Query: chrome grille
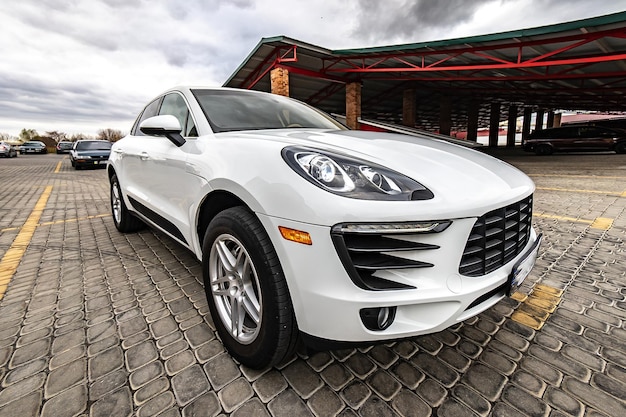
point(497, 238)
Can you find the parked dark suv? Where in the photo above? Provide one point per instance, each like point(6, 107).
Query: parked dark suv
point(575, 138)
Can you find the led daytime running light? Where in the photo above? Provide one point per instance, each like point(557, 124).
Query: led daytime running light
point(390, 228)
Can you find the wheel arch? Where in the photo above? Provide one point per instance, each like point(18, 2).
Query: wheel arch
point(213, 204)
point(110, 172)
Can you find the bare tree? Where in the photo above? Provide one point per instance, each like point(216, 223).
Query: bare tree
point(57, 136)
point(78, 136)
point(5, 136)
point(112, 135)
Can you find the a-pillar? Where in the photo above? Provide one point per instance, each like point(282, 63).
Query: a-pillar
point(494, 125)
point(445, 115)
point(409, 110)
point(539, 120)
point(557, 120)
point(472, 121)
point(550, 121)
point(279, 78)
point(353, 104)
point(528, 114)
point(511, 126)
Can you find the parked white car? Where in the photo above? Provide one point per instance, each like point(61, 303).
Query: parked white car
point(307, 229)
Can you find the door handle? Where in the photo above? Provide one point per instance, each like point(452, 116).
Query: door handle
point(144, 156)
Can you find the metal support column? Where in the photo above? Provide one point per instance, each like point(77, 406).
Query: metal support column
point(494, 128)
point(511, 126)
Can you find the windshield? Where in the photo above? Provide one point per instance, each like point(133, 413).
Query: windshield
point(232, 110)
point(97, 145)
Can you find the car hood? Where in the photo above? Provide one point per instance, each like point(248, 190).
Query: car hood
point(449, 171)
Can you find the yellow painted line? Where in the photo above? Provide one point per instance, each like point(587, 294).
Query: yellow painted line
point(536, 308)
point(601, 223)
point(97, 216)
point(519, 296)
point(617, 193)
point(58, 168)
point(12, 257)
point(527, 320)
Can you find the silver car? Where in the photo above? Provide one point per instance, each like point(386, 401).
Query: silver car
point(7, 150)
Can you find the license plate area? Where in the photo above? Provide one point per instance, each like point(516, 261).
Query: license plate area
point(522, 268)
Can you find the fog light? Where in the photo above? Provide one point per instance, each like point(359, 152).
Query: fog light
point(378, 318)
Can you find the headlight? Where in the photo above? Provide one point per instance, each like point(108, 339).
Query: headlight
point(350, 177)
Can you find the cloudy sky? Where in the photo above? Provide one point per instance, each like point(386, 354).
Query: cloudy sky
point(78, 66)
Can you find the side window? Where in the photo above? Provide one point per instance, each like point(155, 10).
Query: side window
point(150, 110)
point(568, 133)
point(591, 132)
point(606, 133)
point(175, 105)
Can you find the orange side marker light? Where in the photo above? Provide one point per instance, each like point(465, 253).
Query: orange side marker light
point(297, 236)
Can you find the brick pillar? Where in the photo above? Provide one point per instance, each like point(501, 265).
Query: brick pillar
point(528, 114)
point(409, 108)
point(353, 104)
point(280, 81)
point(511, 126)
point(494, 125)
point(472, 121)
point(445, 115)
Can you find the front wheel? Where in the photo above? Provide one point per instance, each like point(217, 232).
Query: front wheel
point(620, 147)
point(246, 290)
point(124, 220)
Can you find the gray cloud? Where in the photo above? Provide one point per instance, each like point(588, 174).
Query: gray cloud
point(409, 18)
point(96, 63)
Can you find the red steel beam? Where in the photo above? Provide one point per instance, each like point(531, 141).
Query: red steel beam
point(357, 63)
point(538, 77)
point(558, 62)
point(261, 70)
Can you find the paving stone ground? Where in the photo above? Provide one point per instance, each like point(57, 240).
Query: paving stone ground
point(96, 323)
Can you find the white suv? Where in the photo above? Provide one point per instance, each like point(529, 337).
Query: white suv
point(308, 230)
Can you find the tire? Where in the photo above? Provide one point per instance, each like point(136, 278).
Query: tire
point(123, 219)
point(543, 150)
point(620, 147)
point(264, 333)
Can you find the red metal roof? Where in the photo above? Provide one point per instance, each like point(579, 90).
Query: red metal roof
point(577, 65)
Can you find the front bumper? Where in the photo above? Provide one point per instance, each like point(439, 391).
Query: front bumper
point(327, 302)
point(90, 163)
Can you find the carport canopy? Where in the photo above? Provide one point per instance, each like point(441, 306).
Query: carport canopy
point(577, 66)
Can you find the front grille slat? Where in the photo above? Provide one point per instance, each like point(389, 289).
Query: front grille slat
point(497, 238)
point(364, 254)
point(381, 261)
point(382, 244)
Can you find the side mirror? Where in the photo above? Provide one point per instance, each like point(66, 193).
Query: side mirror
point(164, 125)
